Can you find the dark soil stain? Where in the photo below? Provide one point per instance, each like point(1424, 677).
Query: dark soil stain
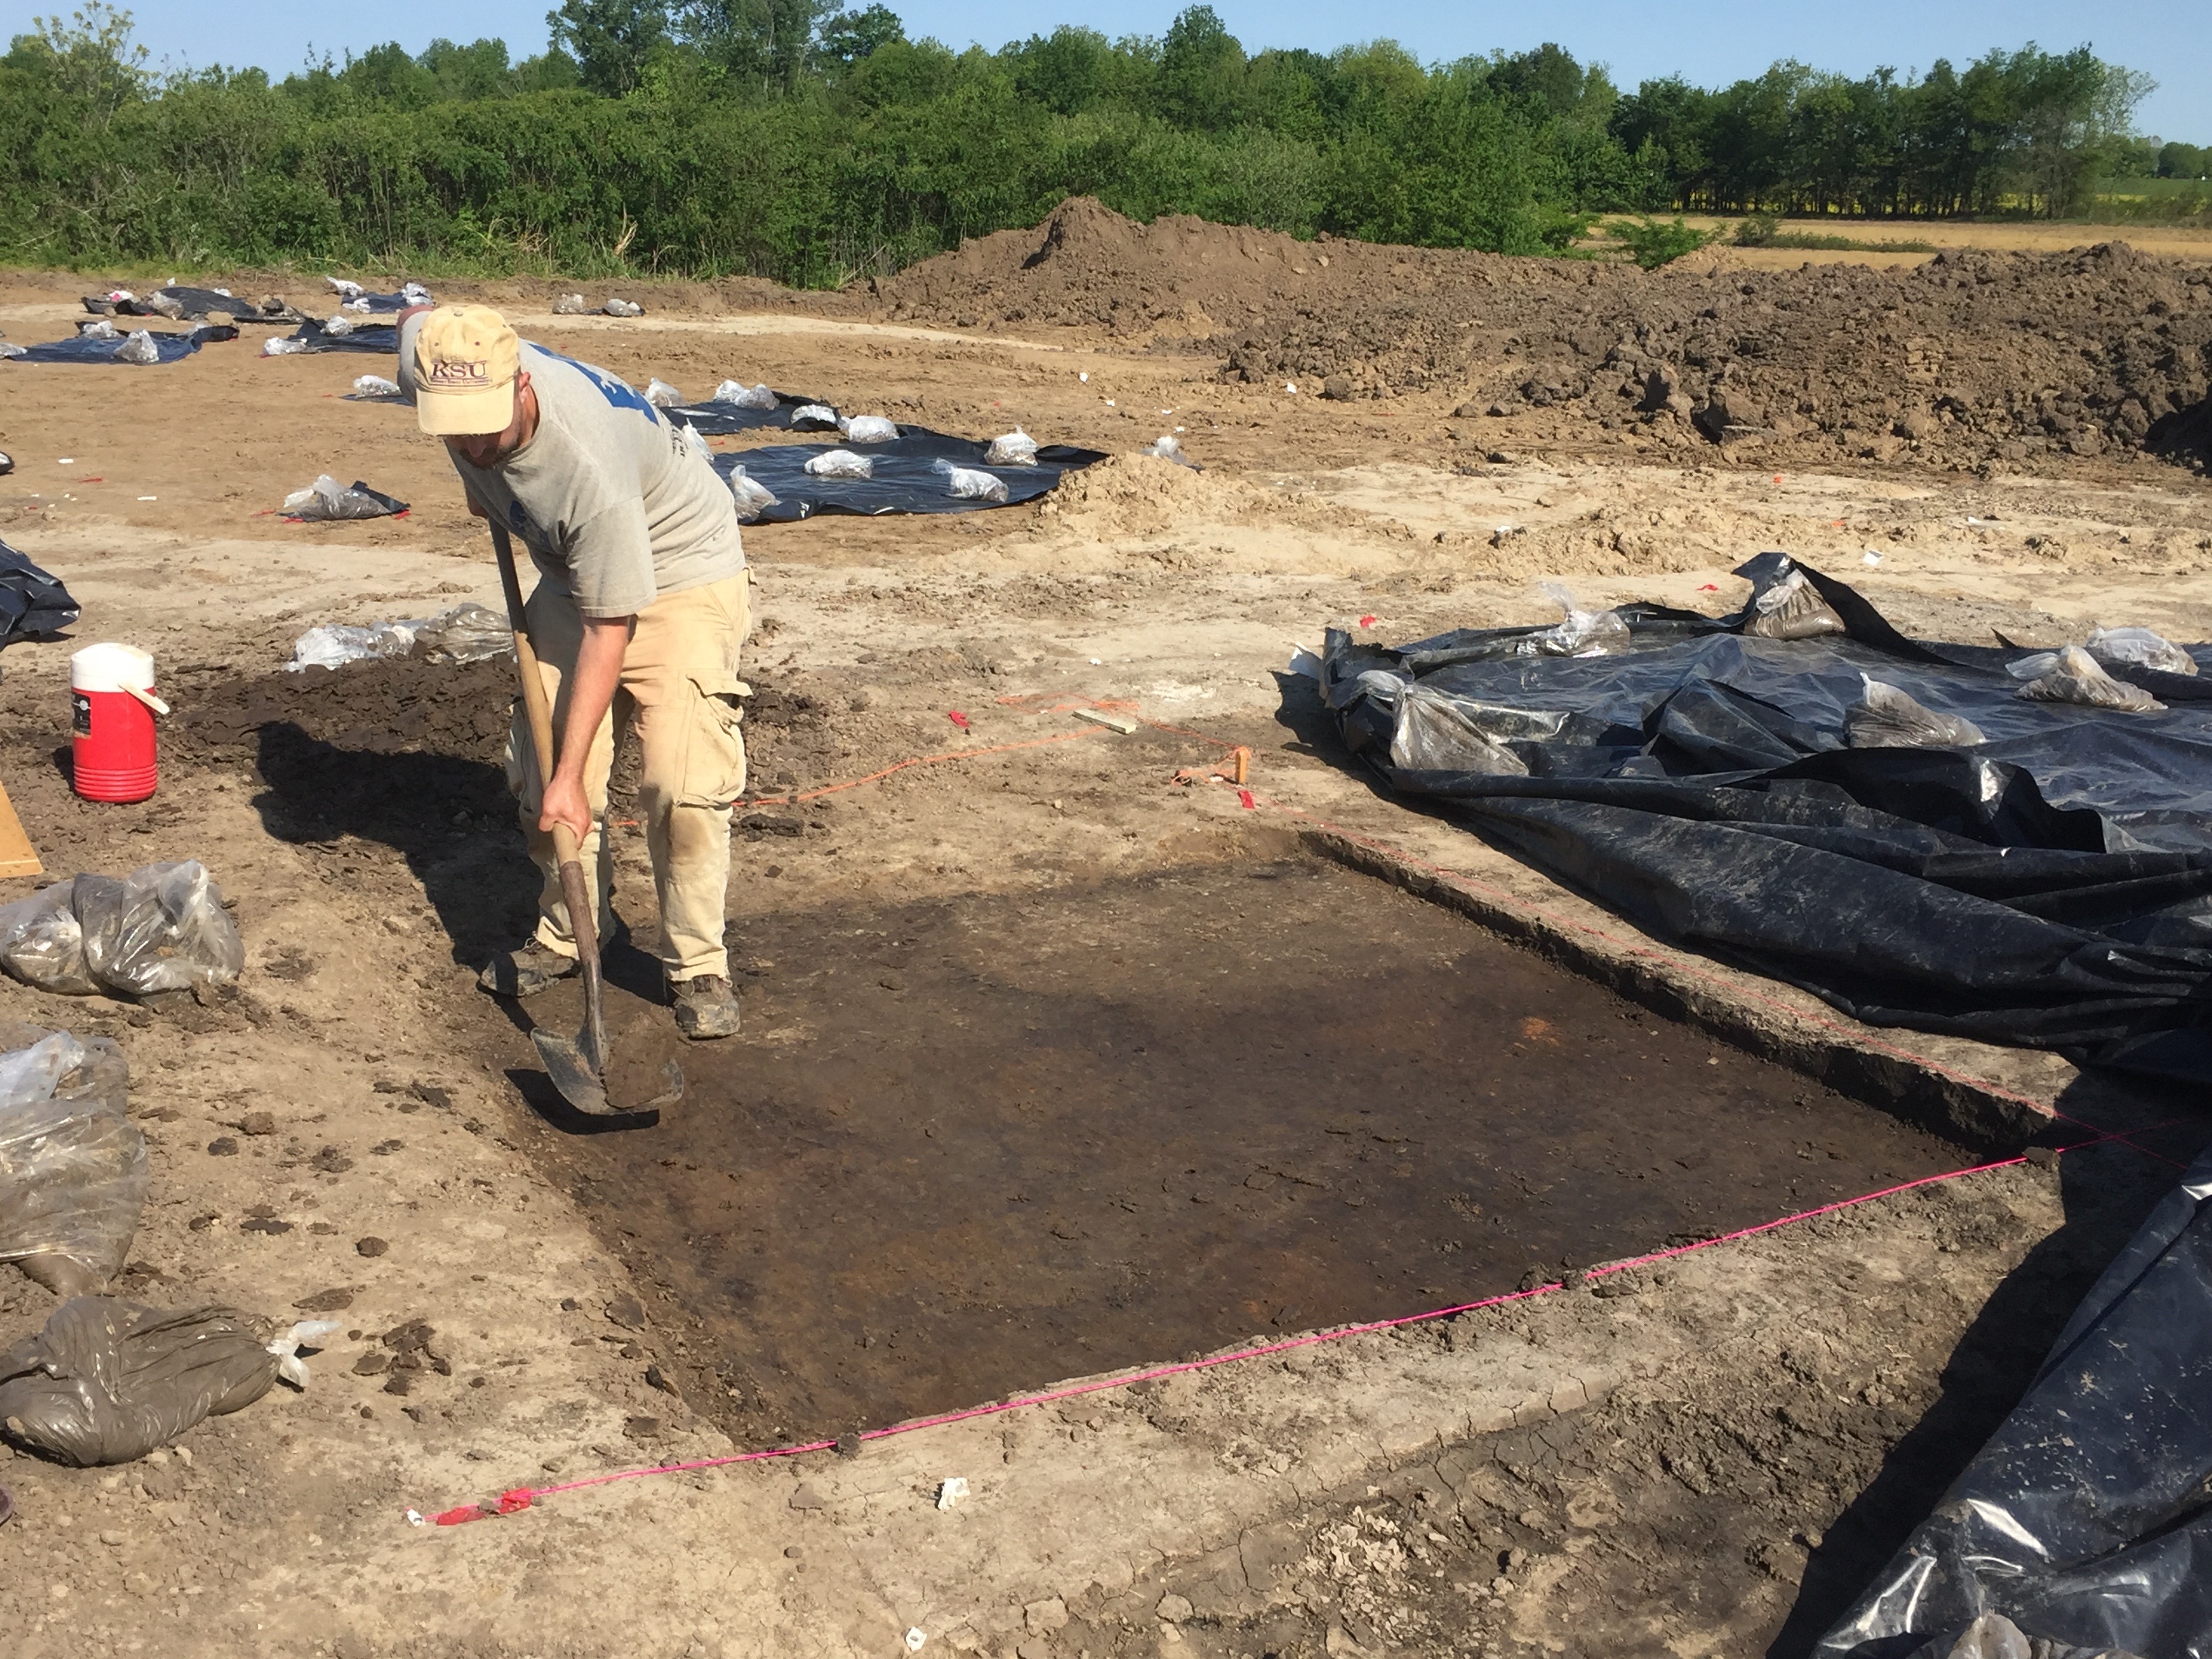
point(970, 1146)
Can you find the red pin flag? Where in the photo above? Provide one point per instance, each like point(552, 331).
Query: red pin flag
point(956, 718)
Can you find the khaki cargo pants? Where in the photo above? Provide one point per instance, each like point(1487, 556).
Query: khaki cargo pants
point(679, 680)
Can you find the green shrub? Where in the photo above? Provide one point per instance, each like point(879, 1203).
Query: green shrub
point(1652, 243)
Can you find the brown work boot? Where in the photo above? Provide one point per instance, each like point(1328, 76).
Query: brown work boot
point(705, 1007)
point(527, 971)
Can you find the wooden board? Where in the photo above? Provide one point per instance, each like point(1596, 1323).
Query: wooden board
point(17, 856)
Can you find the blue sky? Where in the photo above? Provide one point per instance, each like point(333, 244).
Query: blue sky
point(1711, 42)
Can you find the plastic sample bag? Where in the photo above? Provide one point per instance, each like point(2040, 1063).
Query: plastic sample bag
point(813, 417)
point(160, 928)
point(73, 1167)
point(2072, 675)
point(467, 632)
point(1438, 733)
point(841, 463)
point(2138, 647)
point(623, 308)
point(572, 305)
point(869, 429)
point(697, 445)
point(1015, 448)
point(739, 395)
point(100, 329)
point(138, 348)
point(661, 395)
point(323, 501)
point(752, 496)
point(1887, 718)
point(969, 483)
point(332, 645)
point(1167, 447)
point(107, 1380)
point(1792, 609)
point(369, 385)
point(282, 345)
point(1583, 634)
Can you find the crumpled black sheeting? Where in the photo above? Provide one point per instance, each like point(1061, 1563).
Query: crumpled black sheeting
point(171, 345)
point(2050, 887)
point(31, 602)
point(905, 481)
point(381, 339)
point(2084, 1519)
point(196, 302)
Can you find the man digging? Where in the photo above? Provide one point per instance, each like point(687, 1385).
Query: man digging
point(639, 611)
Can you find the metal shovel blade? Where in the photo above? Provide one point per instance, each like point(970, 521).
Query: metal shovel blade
point(574, 1075)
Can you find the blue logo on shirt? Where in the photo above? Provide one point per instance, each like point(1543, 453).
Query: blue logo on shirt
point(620, 393)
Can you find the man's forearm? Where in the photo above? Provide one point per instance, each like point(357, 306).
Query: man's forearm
point(591, 692)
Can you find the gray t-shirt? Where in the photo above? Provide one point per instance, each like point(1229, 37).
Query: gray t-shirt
point(613, 505)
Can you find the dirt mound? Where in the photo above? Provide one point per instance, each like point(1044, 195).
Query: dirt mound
point(1088, 267)
point(1969, 358)
point(1142, 495)
point(370, 707)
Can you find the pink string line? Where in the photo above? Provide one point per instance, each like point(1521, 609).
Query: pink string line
point(521, 1498)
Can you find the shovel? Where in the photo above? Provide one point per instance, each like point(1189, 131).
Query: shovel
point(577, 1066)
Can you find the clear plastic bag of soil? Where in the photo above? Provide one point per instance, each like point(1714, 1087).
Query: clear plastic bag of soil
point(42, 943)
point(332, 645)
point(1887, 718)
point(2072, 675)
point(752, 496)
point(813, 417)
point(99, 329)
point(969, 483)
point(107, 1380)
point(325, 501)
point(1435, 732)
point(162, 928)
point(374, 387)
point(73, 1167)
point(1015, 448)
point(696, 443)
point(467, 632)
point(1993, 1635)
point(572, 305)
point(841, 464)
point(869, 429)
point(138, 348)
point(623, 308)
point(1583, 634)
point(284, 346)
point(739, 395)
point(2138, 647)
point(661, 395)
point(1791, 608)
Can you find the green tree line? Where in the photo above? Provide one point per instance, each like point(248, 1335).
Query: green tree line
point(778, 138)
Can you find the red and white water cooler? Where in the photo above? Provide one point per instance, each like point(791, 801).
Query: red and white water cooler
point(113, 707)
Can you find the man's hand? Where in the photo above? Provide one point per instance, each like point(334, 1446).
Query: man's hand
point(565, 803)
point(591, 693)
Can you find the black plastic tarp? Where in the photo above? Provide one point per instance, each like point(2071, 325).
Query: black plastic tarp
point(80, 349)
point(2088, 1517)
point(2050, 887)
point(715, 420)
point(192, 302)
point(381, 339)
point(905, 479)
point(31, 601)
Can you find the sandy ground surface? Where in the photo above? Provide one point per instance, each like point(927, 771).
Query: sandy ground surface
point(1704, 1456)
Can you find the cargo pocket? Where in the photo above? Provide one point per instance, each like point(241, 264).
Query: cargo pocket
point(715, 757)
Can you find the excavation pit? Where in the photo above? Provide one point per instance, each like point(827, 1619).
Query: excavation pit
point(970, 1145)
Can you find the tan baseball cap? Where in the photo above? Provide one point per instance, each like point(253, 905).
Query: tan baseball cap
point(466, 359)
